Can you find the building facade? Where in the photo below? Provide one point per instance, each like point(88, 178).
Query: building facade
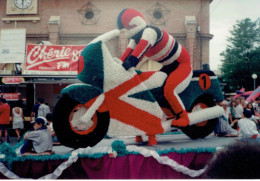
point(66, 22)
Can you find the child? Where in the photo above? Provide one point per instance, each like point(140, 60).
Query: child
point(49, 118)
point(247, 127)
point(39, 140)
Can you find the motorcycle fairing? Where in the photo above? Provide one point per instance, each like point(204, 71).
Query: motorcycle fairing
point(81, 92)
point(93, 66)
point(193, 91)
point(141, 112)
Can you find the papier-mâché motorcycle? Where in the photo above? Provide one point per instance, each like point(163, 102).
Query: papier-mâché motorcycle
point(114, 102)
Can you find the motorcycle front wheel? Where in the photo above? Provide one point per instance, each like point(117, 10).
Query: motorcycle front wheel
point(203, 129)
point(73, 133)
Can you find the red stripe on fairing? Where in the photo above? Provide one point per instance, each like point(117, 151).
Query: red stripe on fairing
point(159, 46)
point(145, 75)
point(167, 53)
point(128, 114)
point(81, 64)
point(140, 49)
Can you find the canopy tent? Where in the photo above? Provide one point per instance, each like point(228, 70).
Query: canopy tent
point(254, 95)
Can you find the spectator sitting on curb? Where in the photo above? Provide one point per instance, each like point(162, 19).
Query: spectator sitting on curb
point(247, 127)
point(238, 113)
point(223, 128)
point(37, 141)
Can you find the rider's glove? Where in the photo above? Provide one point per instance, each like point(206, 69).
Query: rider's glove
point(130, 61)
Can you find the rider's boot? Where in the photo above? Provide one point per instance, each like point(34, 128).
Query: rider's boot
point(152, 140)
point(182, 119)
point(139, 139)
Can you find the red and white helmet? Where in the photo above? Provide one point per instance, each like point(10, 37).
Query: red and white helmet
point(132, 20)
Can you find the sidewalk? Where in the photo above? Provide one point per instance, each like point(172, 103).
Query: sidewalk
point(12, 140)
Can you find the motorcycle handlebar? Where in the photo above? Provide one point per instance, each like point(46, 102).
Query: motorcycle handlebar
point(107, 36)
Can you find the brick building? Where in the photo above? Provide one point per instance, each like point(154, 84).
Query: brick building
point(66, 22)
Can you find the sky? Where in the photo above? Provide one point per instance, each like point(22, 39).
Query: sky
point(223, 15)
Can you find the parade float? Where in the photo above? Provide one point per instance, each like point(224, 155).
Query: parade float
point(111, 105)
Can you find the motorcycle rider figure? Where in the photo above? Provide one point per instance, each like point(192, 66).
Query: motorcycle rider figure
point(159, 46)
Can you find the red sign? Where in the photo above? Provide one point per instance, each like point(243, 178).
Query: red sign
point(52, 58)
point(12, 80)
point(10, 96)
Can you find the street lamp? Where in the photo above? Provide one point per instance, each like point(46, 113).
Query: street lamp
point(254, 76)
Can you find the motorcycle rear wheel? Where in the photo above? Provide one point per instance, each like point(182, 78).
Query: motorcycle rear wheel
point(203, 129)
point(68, 110)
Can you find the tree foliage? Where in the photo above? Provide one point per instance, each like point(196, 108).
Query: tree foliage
point(241, 58)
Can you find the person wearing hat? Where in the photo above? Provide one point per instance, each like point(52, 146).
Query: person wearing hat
point(4, 118)
point(247, 127)
point(39, 140)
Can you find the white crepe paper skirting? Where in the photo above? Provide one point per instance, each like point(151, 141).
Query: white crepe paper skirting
point(164, 160)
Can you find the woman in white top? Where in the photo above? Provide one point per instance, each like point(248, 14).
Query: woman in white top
point(225, 128)
point(17, 118)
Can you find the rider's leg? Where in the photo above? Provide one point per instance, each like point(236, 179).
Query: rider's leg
point(176, 82)
point(152, 140)
point(138, 139)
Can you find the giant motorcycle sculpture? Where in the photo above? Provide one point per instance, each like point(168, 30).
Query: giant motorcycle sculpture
point(114, 102)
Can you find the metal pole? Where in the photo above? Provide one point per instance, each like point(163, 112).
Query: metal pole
point(34, 93)
point(254, 76)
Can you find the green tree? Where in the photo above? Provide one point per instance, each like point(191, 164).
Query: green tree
point(241, 58)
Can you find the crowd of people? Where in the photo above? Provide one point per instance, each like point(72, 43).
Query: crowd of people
point(240, 119)
point(41, 135)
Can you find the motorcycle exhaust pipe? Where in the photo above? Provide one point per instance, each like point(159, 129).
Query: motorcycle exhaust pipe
point(93, 108)
point(197, 116)
point(205, 114)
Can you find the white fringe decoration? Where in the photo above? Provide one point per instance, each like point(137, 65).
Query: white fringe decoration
point(7, 172)
point(143, 151)
point(166, 161)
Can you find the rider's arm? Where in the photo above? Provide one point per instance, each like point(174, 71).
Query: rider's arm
point(128, 50)
point(148, 39)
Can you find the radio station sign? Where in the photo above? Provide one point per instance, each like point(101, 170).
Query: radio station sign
point(10, 96)
point(12, 80)
point(52, 59)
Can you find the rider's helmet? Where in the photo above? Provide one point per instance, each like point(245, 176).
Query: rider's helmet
point(132, 20)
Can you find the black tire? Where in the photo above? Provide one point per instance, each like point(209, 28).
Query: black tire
point(71, 138)
point(201, 130)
